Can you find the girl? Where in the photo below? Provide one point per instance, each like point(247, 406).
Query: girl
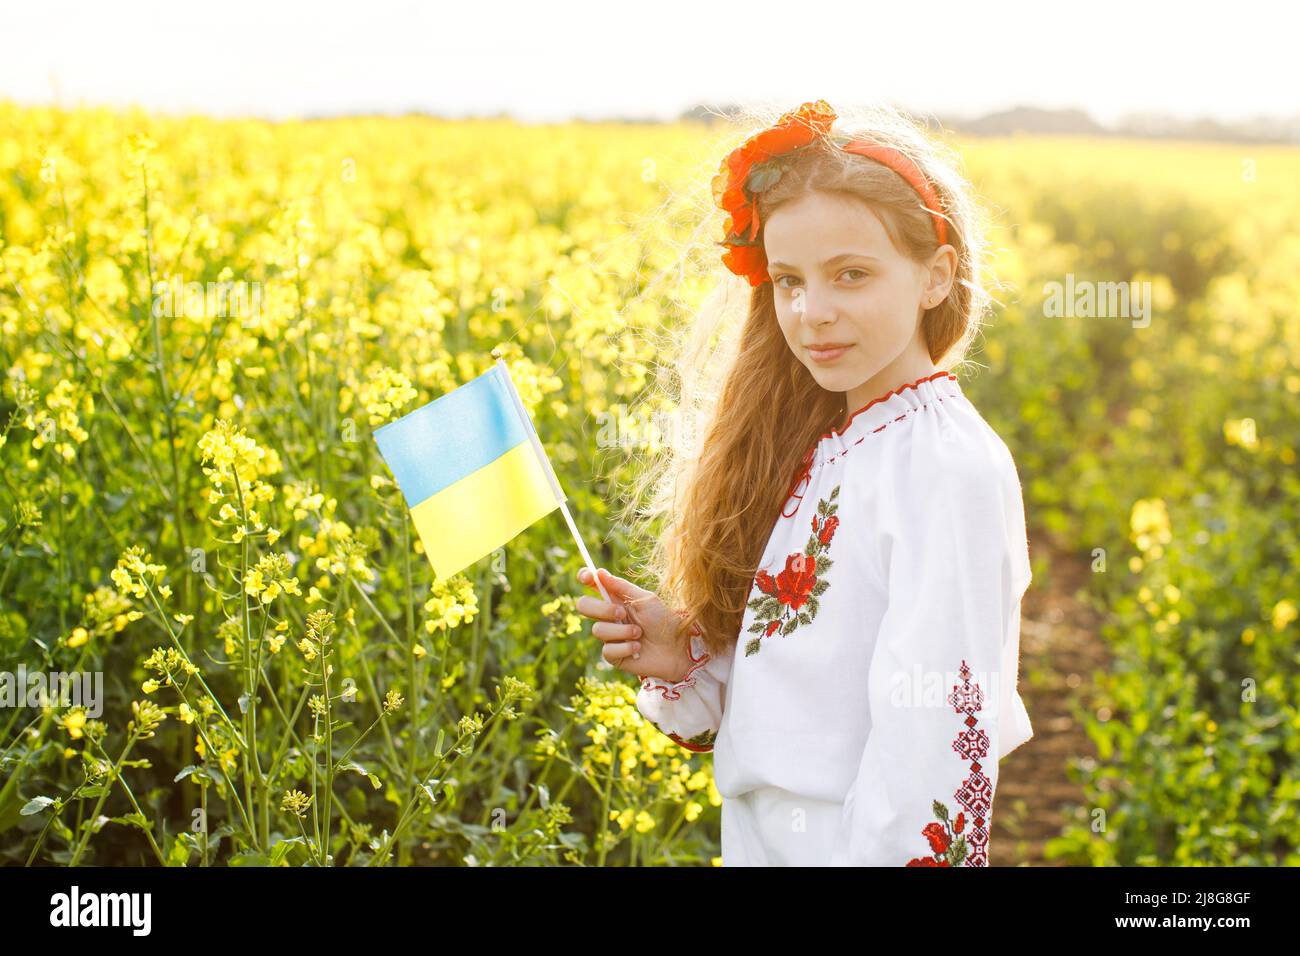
point(853, 647)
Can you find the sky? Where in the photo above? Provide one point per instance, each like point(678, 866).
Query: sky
point(551, 61)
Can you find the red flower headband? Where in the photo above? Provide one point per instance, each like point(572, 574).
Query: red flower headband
point(755, 166)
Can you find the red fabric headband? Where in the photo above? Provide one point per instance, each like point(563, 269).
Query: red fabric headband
point(754, 167)
point(900, 164)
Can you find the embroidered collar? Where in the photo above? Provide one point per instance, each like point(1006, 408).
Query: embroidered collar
point(841, 432)
point(871, 417)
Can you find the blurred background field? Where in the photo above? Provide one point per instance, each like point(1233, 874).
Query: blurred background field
point(192, 503)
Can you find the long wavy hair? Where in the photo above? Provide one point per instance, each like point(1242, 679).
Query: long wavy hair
point(746, 410)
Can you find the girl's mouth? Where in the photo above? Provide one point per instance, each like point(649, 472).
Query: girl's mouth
point(826, 356)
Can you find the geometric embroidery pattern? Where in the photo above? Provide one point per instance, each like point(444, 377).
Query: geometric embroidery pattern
point(954, 845)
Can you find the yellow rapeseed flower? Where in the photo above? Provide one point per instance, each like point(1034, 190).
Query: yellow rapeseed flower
point(74, 722)
point(1284, 612)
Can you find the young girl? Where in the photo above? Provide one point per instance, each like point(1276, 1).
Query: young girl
point(853, 649)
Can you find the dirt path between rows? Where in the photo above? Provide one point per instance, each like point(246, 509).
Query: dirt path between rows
point(1060, 648)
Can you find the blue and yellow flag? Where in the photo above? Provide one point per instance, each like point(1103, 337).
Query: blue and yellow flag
point(471, 469)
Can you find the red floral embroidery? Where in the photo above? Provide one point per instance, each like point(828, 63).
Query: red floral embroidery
point(950, 844)
point(937, 836)
point(670, 690)
point(789, 599)
point(827, 529)
point(794, 585)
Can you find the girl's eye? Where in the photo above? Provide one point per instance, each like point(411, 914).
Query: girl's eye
point(781, 278)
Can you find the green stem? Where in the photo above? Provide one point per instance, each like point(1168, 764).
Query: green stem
point(136, 806)
point(604, 808)
point(90, 824)
point(329, 749)
point(251, 781)
point(210, 749)
point(412, 677)
point(197, 675)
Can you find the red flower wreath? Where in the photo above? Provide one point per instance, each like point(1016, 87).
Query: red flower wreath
point(760, 163)
point(750, 169)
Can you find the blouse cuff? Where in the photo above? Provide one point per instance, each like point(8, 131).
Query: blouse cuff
point(671, 690)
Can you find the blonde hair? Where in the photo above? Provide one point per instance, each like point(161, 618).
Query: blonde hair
point(748, 410)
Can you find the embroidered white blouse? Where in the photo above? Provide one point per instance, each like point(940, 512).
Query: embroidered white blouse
point(860, 716)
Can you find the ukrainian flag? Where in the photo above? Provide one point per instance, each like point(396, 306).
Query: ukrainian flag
point(471, 469)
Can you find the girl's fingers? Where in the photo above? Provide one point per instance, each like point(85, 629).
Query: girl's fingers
point(600, 610)
point(616, 586)
point(615, 632)
point(618, 654)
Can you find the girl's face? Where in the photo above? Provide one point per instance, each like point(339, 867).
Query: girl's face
point(849, 303)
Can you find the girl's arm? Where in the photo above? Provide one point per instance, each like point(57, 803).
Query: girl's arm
point(943, 701)
point(689, 711)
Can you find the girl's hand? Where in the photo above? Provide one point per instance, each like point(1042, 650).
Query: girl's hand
point(641, 634)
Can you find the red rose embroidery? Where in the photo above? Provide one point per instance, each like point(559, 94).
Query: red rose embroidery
point(828, 530)
point(934, 832)
point(795, 583)
point(790, 598)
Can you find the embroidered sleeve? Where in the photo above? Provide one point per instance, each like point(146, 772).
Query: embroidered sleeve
point(942, 697)
point(689, 711)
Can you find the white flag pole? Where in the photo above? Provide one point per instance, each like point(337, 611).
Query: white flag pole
point(550, 475)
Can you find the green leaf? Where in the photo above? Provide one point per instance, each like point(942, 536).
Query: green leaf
point(763, 176)
point(132, 820)
point(199, 773)
point(957, 851)
point(281, 849)
point(36, 805)
point(374, 780)
point(178, 854)
point(249, 858)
